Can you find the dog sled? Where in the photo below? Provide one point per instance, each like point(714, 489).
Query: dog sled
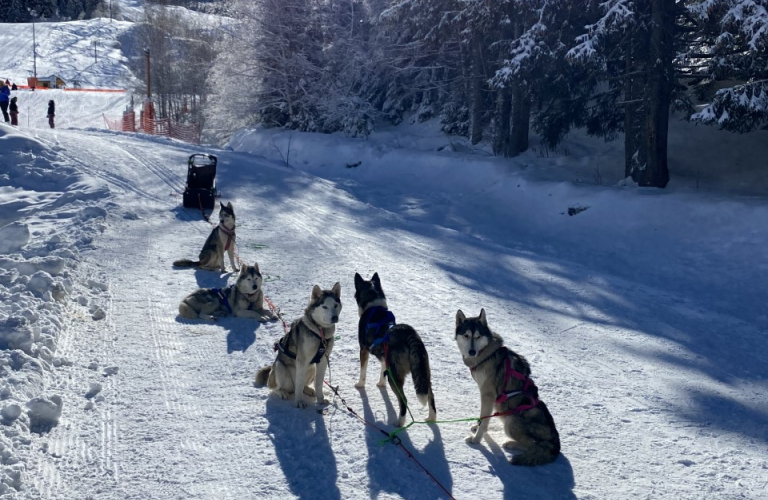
point(200, 191)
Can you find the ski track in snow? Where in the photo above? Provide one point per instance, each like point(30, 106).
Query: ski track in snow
point(180, 418)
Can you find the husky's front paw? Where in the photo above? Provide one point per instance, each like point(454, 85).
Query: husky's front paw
point(309, 392)
point(360, 384)
point(381, 383)
point(300, 404)
point(472, 439)
point(284, 394)
point(323, 401)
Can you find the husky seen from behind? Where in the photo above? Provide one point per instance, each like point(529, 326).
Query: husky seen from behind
point(303, 352)
point(221, 239)
point(244, 299)
point(397, 347)
point(503, 378)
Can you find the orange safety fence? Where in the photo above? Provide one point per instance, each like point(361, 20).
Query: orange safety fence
point(27, 87)
point(187, 132)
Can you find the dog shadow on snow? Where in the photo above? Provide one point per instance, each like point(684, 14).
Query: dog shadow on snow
point(543, 482)
point(389, 468)
point(303, 448)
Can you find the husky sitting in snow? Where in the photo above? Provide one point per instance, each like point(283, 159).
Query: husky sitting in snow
point(244, 299)
point(302, 354)
point(221, 239)
point(503, 377)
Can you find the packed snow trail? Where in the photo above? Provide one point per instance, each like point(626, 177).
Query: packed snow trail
point(157, 408)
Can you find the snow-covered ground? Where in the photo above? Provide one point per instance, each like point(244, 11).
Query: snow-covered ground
point(643, 316)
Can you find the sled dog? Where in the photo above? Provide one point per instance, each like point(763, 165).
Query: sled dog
point(221, 239)
point(244, 299)
point(303, 352)
point(398, 347)
point(503, 378)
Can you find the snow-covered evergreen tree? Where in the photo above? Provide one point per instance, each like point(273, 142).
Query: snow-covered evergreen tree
point(737, 50)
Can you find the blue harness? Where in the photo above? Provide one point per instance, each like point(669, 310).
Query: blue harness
point(379, 323)
point(223, 293)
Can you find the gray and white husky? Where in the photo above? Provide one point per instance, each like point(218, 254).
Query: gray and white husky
point(221, 239)
point(244, 299)
point(503, 378)
point(303, 352)
point(398, 347)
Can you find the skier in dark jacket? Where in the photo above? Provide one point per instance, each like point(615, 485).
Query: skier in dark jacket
point(51, 112)
point(14, 110)
point(5, 97)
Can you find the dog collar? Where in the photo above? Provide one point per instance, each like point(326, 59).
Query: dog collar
point(229, 232)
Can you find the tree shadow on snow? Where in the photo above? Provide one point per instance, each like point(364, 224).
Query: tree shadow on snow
point(716, 347)
point(545, 482)
point(303, 447)
point(391, 470)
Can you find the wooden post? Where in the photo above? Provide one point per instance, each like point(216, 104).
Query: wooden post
point(149, 75)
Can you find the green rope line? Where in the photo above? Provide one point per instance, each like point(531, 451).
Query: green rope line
point(392, 435)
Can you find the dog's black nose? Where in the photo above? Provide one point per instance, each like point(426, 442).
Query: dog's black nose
point(472, 352)
point(334, 319)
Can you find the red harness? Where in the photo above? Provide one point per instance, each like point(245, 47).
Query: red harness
point(528, 390)
point(230, 234)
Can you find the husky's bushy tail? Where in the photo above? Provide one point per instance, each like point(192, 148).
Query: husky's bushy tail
point(421, 374)
point(262, 376)
point(186, 263)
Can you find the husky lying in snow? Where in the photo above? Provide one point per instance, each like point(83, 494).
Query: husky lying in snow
point(221, 239)
point(244, 299)
point(304, 351)
point(396, 346)
point(503, 378)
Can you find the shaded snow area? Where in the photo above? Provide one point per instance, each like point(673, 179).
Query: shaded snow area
point(641, 314)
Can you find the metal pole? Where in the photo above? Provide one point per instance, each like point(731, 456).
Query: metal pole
point(34, 51)
point(149, 74)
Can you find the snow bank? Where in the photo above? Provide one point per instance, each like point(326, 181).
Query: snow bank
point(49, 214)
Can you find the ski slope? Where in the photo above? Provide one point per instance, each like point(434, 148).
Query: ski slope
point(656, 385)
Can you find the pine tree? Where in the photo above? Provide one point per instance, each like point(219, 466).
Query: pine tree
point(736, 49)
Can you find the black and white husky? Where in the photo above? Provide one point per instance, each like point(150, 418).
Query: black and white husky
point(504, 380)
point(221, 239)
point(303, 352)
point(244, 299)
point(398, 347)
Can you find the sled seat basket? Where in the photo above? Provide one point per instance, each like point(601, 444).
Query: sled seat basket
point(200, 191)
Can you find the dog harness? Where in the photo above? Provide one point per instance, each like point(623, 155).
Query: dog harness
point(230, 234)
point(379, 323)
point(529, 389)
point(282, 346)
point(223, 293)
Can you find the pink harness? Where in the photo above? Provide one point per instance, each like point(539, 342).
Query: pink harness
point(229, 232)
point(528, 390)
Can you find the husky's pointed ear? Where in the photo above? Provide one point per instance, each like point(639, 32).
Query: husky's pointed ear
point(229, 205)
point(460, 318)
point(483, 320)
point(358, 281)
point(376, 281)
point(316, 292)
point(221, 205)
point(256, 266)
point(243, 269)
point(336, 289)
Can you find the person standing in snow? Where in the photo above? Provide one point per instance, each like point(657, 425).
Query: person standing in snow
point(5, 97)
point(51, 112)
point(14, 110)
